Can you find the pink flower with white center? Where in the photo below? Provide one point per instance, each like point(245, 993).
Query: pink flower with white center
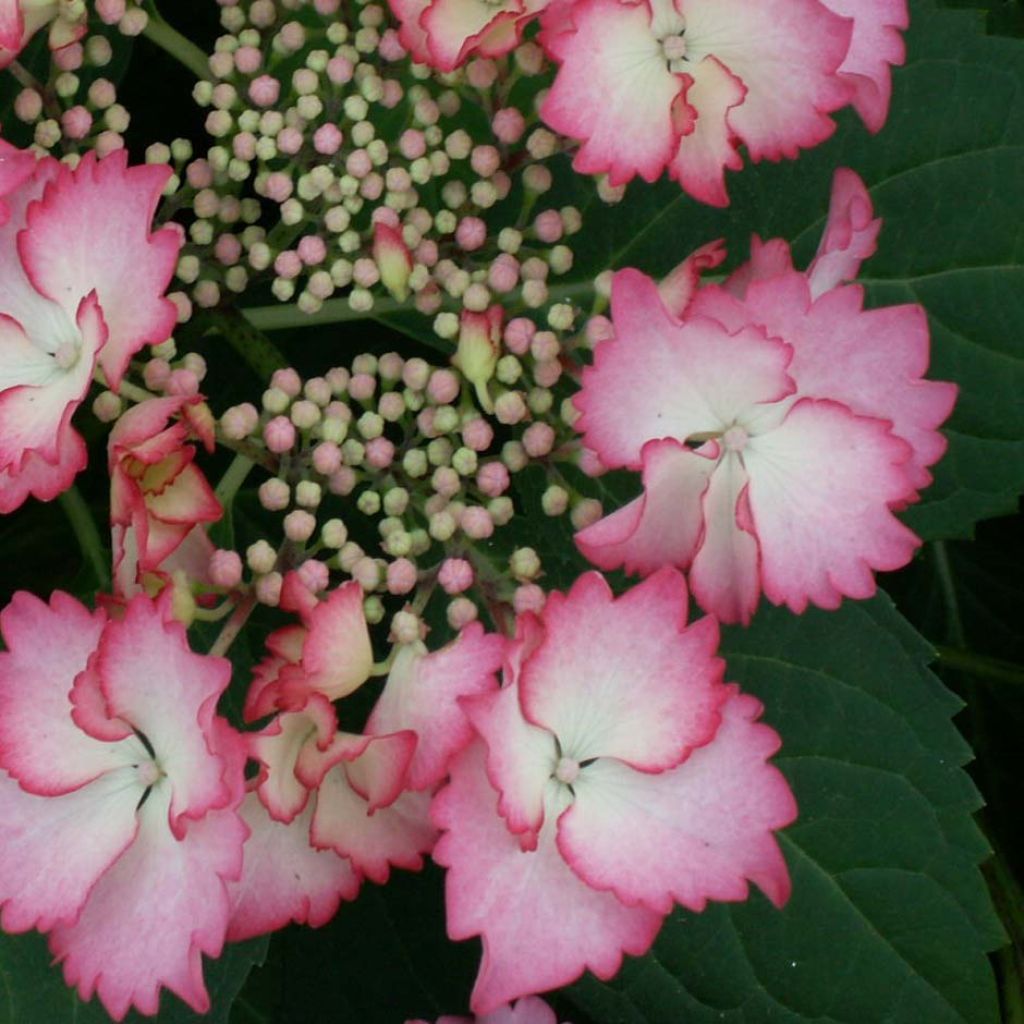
point(328, 654)
point(446, 33)
point(614, 775)
point(119, 793)
point(83, 289)
point(530, 1010)
point(160, 500)
point(777, 425)
point(650, 85)
point(21, 19)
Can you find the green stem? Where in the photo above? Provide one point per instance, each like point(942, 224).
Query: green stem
point(170, 39)
point(233, 626)
point(233, 478)
point(88, 535)
point(954, 624)
point(979, 665)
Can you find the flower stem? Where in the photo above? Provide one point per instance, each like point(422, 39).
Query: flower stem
point(89, 540)
point(170, 39)
point(233, 626)
point(233, 478)
point(979, 665)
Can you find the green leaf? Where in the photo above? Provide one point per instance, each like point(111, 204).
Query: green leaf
point(33, 991)
point(947, 176)
point(889, 920)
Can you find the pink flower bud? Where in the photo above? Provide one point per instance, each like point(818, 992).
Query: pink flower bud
point(510, 408)
point(76, 122)
point(274, 495)
point(493, 479)
point(446, 481)
point(358, 163)
point(380, 452)
point(548, 226)
point(390, 47)
point(248, 59)
point(243, 145)
point(443, 387)
point(392, 258)
point(362, 387)
point(401, 576)
point(225, 569)
point(455, 575)
point(393, 93)
point(485, 160)
point(342, 481)
point(288, 264)
point(156, 374)
point(461, 612)
point(69, 58)
point(312, 250)
point(476, 523)
point(326, 458)
point(314, 575)
point(546, 374)
point(183, 382)
point(366, 573)
point(279, 434)
point(538, 439)
point(477, 434)
point(228, 250)
point(518, 334)
point(264, 91)
point(529, 598)
point(545, 346)
point(412, 144)
point(239, 421)
point(110, 12)
point(289, 141)
point(589, 462)
point(268, 589)
point(508, 125)
point(327, 139)
point(340, 70)
point(278, 186)
point(503, 274)
point(482, 73)
point(471, 233)
point(299, 525)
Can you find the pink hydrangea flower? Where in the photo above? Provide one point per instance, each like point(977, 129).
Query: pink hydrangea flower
point(777, 424)
point(119, 792)
point(650, 85)
point(614, 775)
point(446, 33)
point(21, 19)
point(530, 1010)
point(160, 500)
point(328, 654)
point(83, 288)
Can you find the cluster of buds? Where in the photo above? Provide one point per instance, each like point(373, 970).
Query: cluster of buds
point(303, 113)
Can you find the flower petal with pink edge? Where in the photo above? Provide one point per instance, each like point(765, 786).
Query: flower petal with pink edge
point(422, 694)
point(689, 835)
point(278, 747)
point(702, 156)
point(665, 524)
point(724, 574)
point(397, 835)
point(821, 487)
point(56, 847)
point(785, 52)
point(455, 28)
point(529, 1010)
point(161, 905)
point(284, 878)
point(679, 286)
point(12, 27)
point(40, 478)
point(152, 679)
point(850, 235)
point(410, 33)
point(870, 360)
point(875, 46)
point(33, 414)
point(541, 926)
point(48, 645)
point(662, 377)
point(90, 232)
point(521, 758)
point(624, 677)
point(614, 91)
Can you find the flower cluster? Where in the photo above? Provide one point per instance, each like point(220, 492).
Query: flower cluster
point(575, 759)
